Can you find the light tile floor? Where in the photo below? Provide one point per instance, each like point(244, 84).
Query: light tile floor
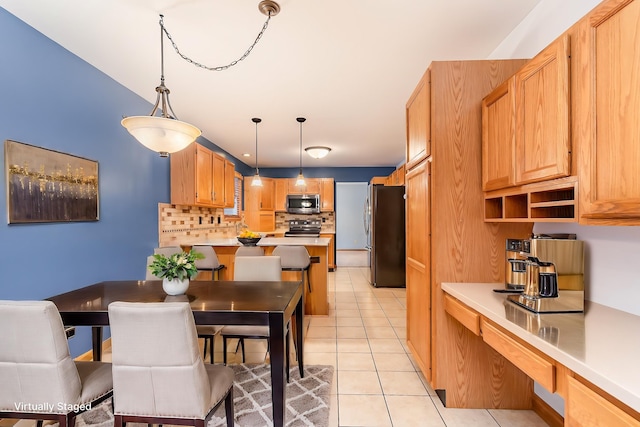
point(376, 381)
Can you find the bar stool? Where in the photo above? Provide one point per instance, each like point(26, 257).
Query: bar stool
point(249, 251)
point(294, 258)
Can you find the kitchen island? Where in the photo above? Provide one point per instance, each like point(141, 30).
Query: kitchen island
point(315, 301)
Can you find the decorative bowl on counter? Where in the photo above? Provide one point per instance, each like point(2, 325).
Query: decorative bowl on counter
point(249, 241)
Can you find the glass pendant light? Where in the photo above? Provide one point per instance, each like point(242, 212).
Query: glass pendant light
point(256, 181)
point(300, 182)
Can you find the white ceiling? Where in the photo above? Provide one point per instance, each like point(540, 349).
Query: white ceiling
point(348, 66)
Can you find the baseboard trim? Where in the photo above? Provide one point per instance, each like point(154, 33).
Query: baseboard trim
point(546, 412)
point(88, 356)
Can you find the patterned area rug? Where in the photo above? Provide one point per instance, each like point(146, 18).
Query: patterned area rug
point(307, 400)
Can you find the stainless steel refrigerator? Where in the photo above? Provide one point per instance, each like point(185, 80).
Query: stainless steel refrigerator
point(385, 228)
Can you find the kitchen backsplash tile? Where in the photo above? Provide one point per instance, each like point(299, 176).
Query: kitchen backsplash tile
point(328, 220)
point(183, 224)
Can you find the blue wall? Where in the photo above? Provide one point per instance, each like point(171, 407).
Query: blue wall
point(353, 174)
point(52, 99)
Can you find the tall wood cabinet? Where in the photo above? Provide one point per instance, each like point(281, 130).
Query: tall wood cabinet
point(607, 108)
point(259, 213)
point(447, 239)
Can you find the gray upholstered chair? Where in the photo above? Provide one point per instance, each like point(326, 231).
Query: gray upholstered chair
point(251, 268)
point(36, 368)
point(159, 376)
point(210, 261)
point(206, 332)
point(249, 251)
point(295, 258)
point(167, 250)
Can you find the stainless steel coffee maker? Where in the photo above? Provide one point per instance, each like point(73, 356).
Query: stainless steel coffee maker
point(553, 274)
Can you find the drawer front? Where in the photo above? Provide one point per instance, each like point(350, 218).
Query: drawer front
point(463, 314)
point(586, 408)
point(535, 366)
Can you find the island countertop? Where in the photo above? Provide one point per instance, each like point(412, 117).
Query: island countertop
point(268, 241)
point(601, 345)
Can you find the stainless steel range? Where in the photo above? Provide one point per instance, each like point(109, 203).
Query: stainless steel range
point(304, 228)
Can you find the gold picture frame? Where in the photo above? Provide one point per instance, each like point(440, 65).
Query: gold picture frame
point(49, 186)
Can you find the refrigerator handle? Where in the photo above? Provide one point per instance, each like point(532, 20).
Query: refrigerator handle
point(365, 216)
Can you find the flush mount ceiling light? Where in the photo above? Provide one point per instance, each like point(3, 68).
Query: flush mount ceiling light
point(300, 182)
point(317, 152)
point(256, 182)
point(165, 133)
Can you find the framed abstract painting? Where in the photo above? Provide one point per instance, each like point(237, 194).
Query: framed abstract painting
point(49, 186)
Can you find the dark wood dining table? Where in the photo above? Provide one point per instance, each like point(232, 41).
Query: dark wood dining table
point(270, 304)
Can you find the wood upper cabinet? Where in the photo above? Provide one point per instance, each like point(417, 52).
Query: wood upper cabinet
point(197, 177)
point(218, 168)
point(542, 115)
point(418, 265)
point(607, 115)
point(326, 195)
point(418, 112)
point(281, 191)
point(259, 213)
point(312, 186)
point(266, 195)
point(498, 137)
point(229, 184)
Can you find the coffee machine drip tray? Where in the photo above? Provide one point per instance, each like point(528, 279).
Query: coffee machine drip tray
point(565, 302)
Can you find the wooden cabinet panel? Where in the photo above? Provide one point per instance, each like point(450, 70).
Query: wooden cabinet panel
point(198, 177)
point(498, 137)
point(280, 194)
point(418, 111)
point(204, 176)
point(229, 184)
point(267, 195)
point(608, 114)
point(540, 368)
point(218, 172)
point(463, 314)
point(584, 407)
point(327, 195)
point(331, 256)
point(542, 115)
point(418, 266)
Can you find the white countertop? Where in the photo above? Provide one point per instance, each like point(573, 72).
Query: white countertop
point(601, 345)
point(270, 241)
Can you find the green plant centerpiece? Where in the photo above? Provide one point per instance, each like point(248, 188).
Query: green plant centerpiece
point(175, 270)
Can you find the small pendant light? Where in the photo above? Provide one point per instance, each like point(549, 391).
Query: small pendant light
point(256, 181)
point(300, 182)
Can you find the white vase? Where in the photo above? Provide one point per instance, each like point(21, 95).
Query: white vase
point(175, 286)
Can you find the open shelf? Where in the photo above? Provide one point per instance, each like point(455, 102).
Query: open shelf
point(550, 201)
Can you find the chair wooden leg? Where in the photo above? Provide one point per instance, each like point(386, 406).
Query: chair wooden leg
point(224, 351)
point(212, 338)
point(228, 408)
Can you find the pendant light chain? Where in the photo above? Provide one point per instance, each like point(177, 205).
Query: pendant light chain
point(223, 67)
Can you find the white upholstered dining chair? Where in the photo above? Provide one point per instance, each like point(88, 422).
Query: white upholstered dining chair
point(159, 376)
point(251, 268)
point(38, 378)
point(206, 332)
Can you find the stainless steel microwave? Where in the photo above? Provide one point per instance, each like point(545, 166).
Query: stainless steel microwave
point(303, 203)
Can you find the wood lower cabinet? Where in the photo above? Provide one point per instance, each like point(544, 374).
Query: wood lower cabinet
point(331, 256)
point(448, 240)
point(587, 407)
point(607, 112)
